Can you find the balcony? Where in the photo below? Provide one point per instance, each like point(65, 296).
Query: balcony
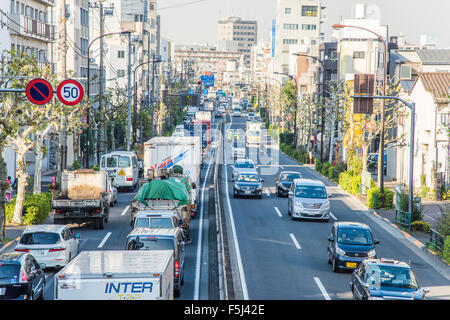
point(32, 28)
point(50, 3)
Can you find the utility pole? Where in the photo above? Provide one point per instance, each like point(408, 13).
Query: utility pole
point(62, 141)
point(129, 94)
point(101, 127)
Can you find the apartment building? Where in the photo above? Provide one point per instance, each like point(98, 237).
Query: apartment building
point(237, 34)
point(297, 23)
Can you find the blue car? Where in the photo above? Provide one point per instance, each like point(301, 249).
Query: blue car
point(349, 244)
point(284, 182)
point(385, 279)
point(248, 184)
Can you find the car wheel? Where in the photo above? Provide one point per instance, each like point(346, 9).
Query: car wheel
point(177, 292)
point(335, 268)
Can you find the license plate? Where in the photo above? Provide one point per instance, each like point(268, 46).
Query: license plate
point(40, 252)
point(350, 265)
point(2, 291)
point(248, 192)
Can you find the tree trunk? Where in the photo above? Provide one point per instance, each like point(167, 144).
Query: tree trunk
point(22, 176)
point(365, 156)
point(113, 140)
point(3, 187)
point(61, 147)
point(39, 157)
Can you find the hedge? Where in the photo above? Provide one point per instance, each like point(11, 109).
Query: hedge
point(36, 208)
point(446, 252)
point(388, 198)
point(421, 226)
point(300, 156)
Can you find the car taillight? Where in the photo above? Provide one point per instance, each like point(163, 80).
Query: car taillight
point(56, 249)
point(129, 179)
point(177, 269)
point(22, 250)
point(58, 211)
point(23, 276)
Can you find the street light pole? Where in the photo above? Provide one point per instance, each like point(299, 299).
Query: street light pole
point(86, 155)
point(383, 106)
point(129, 94)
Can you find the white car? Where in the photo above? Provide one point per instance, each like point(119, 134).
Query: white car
point(237, 112)
point(243, 165)
point(52, 245)
point(250, 116)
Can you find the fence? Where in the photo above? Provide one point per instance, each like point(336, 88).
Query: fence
point(437, 240)
point(403, 218)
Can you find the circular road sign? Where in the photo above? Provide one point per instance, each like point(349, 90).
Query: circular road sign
point(39, 91)
point(70, 92)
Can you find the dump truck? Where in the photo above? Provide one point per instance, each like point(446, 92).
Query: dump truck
point(83, 198)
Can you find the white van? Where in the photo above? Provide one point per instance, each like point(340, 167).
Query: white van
point(123, 167)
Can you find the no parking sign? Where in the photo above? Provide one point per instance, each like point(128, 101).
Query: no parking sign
point(39, 91)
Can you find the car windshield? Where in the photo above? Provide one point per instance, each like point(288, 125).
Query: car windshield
point(387, 276)
point(153, 243)
point(154, 223)
point(251, 114)
point(315, 192)
point(40, 238)
point(248, 178)
point(254, 133)
point(353, 236)
point(289, 176)
point(9, 270)
point(244, 165)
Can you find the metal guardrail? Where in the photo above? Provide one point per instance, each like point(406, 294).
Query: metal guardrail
point(403, 218)
point(437, 240)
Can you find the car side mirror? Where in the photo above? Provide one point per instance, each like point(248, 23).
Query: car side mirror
point(425, 290)
point(232, 179)
point(376, 241)
point(331, 239)
point(329, 195)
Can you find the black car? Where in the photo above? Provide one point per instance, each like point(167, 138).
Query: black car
point(385, 279)
point(21, 277)
point(349, 244)
point(284, 182)
point(247, 184)
point(372, 161)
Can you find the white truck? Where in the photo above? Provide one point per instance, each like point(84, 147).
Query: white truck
point(84, 197)
point(117, 275)
point(167, 152)
point(203, 115)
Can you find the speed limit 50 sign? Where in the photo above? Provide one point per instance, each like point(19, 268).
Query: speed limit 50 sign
point(70, 92)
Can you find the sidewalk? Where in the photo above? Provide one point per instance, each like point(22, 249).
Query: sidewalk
point(13, 232)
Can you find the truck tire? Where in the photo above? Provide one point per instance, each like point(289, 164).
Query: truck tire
point(177, 292)
point(99, 223)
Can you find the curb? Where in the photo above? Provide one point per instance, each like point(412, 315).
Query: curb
point(6, 245)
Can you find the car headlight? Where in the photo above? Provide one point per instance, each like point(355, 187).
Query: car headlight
point(259, 188)
point(326, 205)
point(237, 187)
point(340, 251)
point(372, 253)
point(298, 204)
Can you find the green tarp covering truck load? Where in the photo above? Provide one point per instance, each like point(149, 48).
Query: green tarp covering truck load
point(170, 189)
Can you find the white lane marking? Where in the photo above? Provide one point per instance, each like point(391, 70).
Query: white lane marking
point(200, 232)
point(236, 244)
point(297, 245)
point(267, 192)
point(322, 288)
point(125, 210)
point(278, 212)
point(332, 215)
point(104, 240)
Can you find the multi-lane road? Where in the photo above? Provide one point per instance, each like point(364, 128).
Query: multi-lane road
point(262, 254)
point(277, 258)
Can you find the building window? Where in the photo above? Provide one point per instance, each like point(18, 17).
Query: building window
point(309, 27)
point(444, 119)
point(138, 17)
point(84, 43)
point(84, 17)
point(313, 42)
point(290, 26)
point(405, 72)
point(309, 11)
point(120, 54)
point(359, 55)
point(287, 10)
point(120, 73)
point(290, 41)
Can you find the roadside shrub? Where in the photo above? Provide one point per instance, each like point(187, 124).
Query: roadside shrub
point(324, 168)
point(404, 206)
point(333, 173)
point(76, 165)
point(444, 224)
point(36, 208)
point(421, 226)
point(446, 252)
point(344, 180)
point(317, 165)
point(355, 181)
point(375, 192)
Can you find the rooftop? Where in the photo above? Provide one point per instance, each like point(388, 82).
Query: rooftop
point(437, 83)
point(434, 56)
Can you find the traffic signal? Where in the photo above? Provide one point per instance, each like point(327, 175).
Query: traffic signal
point(364, 86)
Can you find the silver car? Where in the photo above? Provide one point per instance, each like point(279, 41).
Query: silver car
point(243, 165)
point(308, 199)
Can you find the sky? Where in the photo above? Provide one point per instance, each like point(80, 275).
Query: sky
point(195, 21)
